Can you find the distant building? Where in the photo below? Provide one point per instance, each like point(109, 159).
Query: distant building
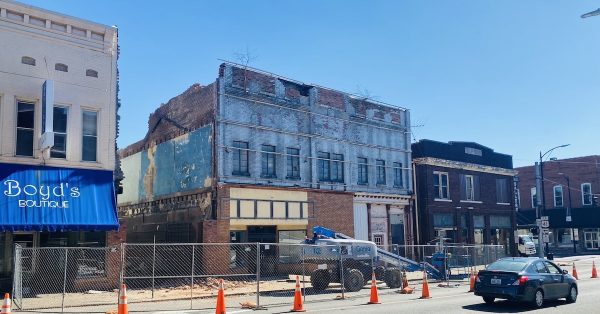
point(58, 121)
point(258, 157)
point(464, 193)
point(571, 188)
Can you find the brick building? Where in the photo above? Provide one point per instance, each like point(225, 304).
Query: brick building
point(570, 187)
point(464, 192)
point(256, 157)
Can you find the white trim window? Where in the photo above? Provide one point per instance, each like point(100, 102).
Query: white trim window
point(60, 122)
point(558, 196)
point(533, 197)
point(469, 186)
point(586, 193)
point(89, 140)
point(440, 185)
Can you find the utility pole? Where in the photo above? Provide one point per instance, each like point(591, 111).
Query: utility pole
point(538, 206)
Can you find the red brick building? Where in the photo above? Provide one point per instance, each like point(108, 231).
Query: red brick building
point(570, 190)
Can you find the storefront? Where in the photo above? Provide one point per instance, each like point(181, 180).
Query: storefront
point(53, 207)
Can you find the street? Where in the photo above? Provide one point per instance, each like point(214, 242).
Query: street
point(450, 300)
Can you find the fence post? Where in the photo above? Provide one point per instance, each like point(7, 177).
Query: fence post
point(17, 290)
point(342, 271)
point(153, 265)
point(62, 306)
point(122, 271)
point(192, 283)
point(303, 272)
point(257, 275)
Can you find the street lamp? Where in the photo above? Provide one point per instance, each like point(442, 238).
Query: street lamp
point(590, 14)
point(541, 203)
point(570, 212)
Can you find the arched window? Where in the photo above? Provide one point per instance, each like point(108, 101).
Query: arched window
point(91, 73)
point(28, 60)
point(61, 67)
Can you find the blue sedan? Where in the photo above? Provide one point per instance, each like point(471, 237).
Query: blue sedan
point(525, 279)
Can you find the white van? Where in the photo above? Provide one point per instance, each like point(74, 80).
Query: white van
point(526, 245)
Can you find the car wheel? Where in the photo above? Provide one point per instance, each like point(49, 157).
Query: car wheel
point(572, 297)
point(353, 280)
point(320, 279)
point(489, 300)
point(538, 300)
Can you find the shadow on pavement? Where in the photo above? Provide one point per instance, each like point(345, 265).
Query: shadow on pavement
point(509, 306)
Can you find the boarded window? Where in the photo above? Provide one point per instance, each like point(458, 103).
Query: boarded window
point(61, 67)
point(28, 60)
point(91, 73)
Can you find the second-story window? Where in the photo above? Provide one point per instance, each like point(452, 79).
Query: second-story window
point(90, 136)
point(502, 191)
point(380, 171)
point(363, 171)
point(268, 161)
point(25, 128)
point(586, 194)
point(440, 185)
point(469, 187)
point(533, 197)
point(337, 168)
point(558, 196)
point(397, 174)
point(323, 166)
point(240, 159)
point(59, 150)
point(293, 163)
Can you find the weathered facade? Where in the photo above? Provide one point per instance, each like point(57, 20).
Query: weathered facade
point(464, 193)
point(571, 187)
point(268, 158)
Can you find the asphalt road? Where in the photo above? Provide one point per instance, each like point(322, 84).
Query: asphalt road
point(451, 300)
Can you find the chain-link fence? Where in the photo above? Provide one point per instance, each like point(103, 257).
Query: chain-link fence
point(185, 276)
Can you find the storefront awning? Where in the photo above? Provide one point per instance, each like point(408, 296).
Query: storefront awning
point(40, 198)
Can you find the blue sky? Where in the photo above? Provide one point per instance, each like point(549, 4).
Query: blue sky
point(516, 76)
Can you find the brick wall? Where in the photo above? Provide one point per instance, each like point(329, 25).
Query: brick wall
point(332, 210)
point(579, 170)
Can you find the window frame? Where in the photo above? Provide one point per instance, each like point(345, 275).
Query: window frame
point(562, 196)
point(336, 168)
point(292, 163)
point(381, 175)
point(32, 130)
point(83, 135)
point(65, 133)
point(268, 161)
point(240, 153)
point(398, 174)
point(323, 167)
point(440, 187)
point(469, 179)
point(584, 194)
point(363, 171)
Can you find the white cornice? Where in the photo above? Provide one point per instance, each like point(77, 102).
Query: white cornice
point(392, 199)
point(464, 166)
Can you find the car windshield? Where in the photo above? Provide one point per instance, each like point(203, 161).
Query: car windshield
point(527, 239)
point(507, 265)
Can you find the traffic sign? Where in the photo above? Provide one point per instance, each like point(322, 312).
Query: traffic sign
point(546, 238)
point(544, 218)
point(545, 224)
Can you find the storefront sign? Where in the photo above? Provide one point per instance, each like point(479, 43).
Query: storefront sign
point(56, 199)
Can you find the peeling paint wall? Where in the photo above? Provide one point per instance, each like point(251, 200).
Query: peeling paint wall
point(178, 165)
point(260, 108)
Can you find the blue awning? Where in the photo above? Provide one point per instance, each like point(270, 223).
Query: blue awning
point(40, 198)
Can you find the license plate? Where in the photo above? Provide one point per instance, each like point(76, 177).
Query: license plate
point(495, 281)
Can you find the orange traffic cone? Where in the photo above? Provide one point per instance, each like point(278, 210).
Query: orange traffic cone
point(472, 282)
point(575, 272)
point(404, 282)
point(425, 294)
point(6, 304)
point(374, 295)
point(220, 299)
point(594, 272)
point(123, 300)
point(298, 306)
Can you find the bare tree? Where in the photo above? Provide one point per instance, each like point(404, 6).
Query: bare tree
point(245, 57)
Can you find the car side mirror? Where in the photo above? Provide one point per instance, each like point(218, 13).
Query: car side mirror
point(564, 271)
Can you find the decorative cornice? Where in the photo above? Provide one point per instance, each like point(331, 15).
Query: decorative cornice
point(464, 166)
point(394, 199)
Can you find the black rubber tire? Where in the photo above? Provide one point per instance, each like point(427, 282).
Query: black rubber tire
point(379, 273)
point(320, 279)
point(353, 280)
point(489, 300)
point(572, 296)
point(393, 278)
point(537, 301)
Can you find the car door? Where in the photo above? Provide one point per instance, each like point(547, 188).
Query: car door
point(546, 280)
point(560, 285)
